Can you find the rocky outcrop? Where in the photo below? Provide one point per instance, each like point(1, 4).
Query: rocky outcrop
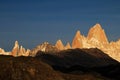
point(97, 33)
point(44, 47)
point(15, 49)
point(68, 46)
point(19, 51)
point(96, 38)
point(77, 41)
point(2, 52)
point(59, 45)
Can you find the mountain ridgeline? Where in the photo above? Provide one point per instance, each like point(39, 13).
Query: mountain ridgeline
point(88, 58)
point(96, 38)
point(70, 64)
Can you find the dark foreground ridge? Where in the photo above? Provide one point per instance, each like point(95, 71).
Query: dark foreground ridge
point(82, 60)
point(84, 57)
point(77, 64)
point(25, 68)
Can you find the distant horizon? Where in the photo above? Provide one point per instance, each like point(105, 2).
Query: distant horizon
point(33, 22)
point(70, 41)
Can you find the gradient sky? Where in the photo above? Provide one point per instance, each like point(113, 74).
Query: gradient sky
point(32, 22)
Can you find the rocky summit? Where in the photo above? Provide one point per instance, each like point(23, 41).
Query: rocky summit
point(16, 51)
point(96, 32)
point(96, 38)
point(59, 45)
point(77, 39)
point(19, 50)
point(91, 57)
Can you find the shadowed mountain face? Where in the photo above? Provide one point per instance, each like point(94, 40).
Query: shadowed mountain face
point(25, 68)
point(96, 38)
point(84, 57)
point(32, 68)
point(49, 63)
point(82, 60)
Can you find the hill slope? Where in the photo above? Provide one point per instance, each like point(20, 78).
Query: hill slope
point(31, 68)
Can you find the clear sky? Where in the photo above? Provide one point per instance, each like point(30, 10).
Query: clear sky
point(32, 22)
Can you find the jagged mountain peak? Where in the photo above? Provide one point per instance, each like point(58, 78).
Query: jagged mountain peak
point(97, 33)
point(97, 26)
point(77, 40)
point(68, 46)
point(59, 41)
point(16, 42)
point(19, 50)
point(59, 45)
point(78, 33)
point(96, 38)
point(16, 45)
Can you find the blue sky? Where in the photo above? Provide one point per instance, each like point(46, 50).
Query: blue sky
point(32, 22)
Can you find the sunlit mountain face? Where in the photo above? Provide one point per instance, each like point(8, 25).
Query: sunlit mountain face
point(96, 38)
point(90, 57)
point(48, 62)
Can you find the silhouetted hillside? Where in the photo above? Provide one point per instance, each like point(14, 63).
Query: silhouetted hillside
point(83, 57)
point(82, 60)
point(31, 68)
point(72, 64)
point(26, 68)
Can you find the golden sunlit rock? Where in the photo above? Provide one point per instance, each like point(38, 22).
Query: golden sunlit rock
point(68, 46)
point(16, 51)
point(98, 33)
point(59, 45)
point(96, 38)
point(77, 41)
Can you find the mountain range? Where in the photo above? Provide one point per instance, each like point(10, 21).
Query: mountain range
point(96, 38)
point(90, 57)
point(70, 64)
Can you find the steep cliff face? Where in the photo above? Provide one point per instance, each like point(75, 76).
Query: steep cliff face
point(15, 49)
point(97, 33)
point(97, 38)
